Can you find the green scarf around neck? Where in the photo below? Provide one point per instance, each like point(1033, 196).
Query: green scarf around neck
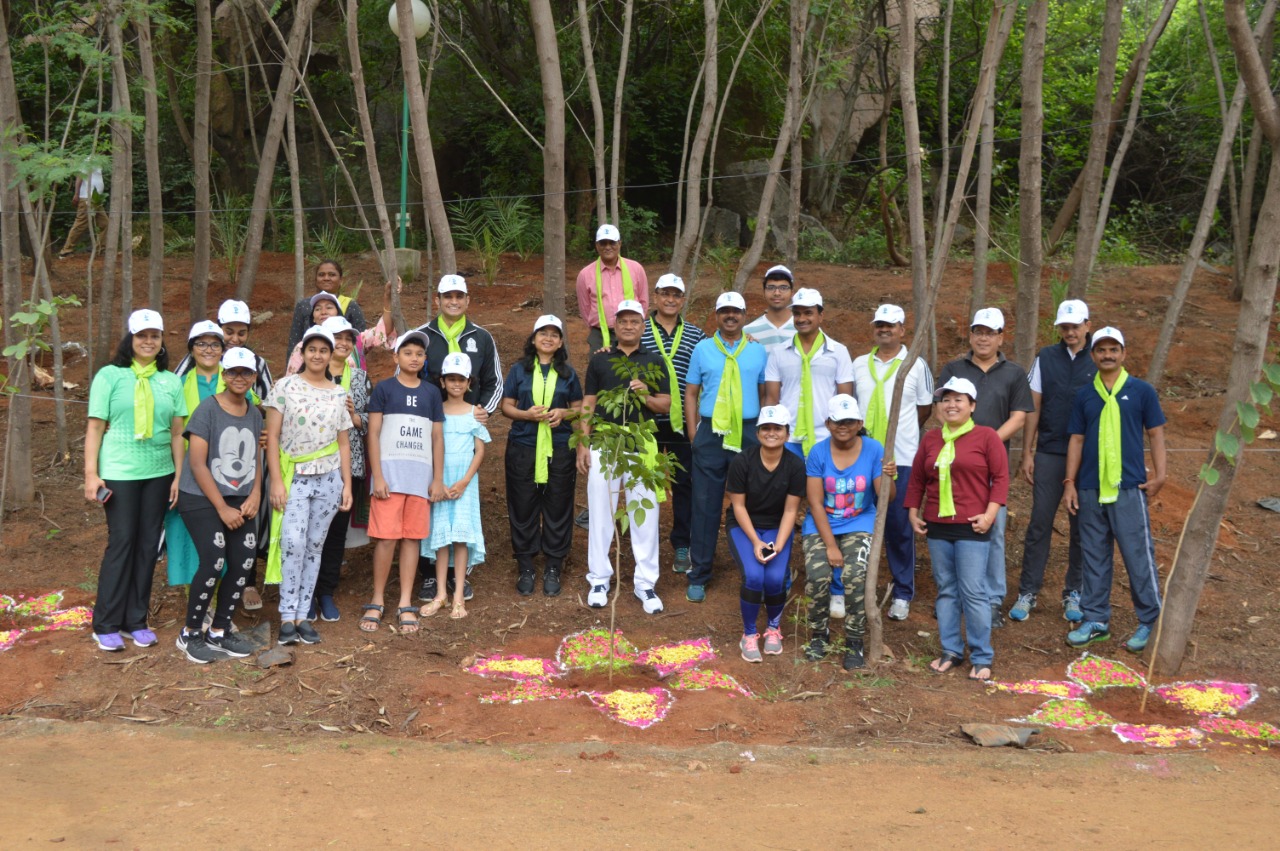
point(726, 418)
point(946, 500)
point(1110, 463)
point(628, 293)
point(544, 391)
point(804, 414)
point(877, 411)
point(451, 332)
point(144, 402)
point(287, 464)
point(669, 358)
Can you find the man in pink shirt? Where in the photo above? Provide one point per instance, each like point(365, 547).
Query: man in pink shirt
point(602, 285)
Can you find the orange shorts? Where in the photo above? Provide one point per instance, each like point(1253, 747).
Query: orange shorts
point(400, 516)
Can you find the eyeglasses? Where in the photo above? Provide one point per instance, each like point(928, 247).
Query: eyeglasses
point(778, 288)
point(207, 345)
point(984, 332)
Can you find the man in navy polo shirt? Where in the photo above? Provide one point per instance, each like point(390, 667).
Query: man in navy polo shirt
point(1107, 487)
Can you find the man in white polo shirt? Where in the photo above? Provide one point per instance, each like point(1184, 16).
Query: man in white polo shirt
point(874, 377)
point(774, 327)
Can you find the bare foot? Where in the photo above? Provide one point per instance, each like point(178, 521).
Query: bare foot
point(433, 607)
point(459, 610)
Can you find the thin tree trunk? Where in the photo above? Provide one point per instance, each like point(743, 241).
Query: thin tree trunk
point(118, 210)
point(122, 134)
point(693, 173)
point(944, 120)
point(151, 150)
point(295, 198)
point(544, 36)
point(982, 209)
point(171, 88)
point(791, 256)
point(1248, 183)
point(200, 163)
point(615, 153)
point(1030, 239)
point(597, 113)
point(915, 188)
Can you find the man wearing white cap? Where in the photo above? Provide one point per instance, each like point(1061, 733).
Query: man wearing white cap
point(722, 421)
point(875, 375)
point(235, 319)
point(671, 338)
point(1057, 374)
point(1003, 402)
point(604, 486)
point(774, 327)
point(602, 285)
point(1108, 487)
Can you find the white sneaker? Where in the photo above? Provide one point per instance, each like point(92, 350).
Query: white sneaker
point(599, 596)
point(652, 605)
point(899, 610)
point(837, 607)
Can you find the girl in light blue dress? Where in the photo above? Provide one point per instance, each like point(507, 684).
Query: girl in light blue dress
point(455, 520)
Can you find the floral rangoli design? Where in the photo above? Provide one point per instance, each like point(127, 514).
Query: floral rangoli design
point(46, 608)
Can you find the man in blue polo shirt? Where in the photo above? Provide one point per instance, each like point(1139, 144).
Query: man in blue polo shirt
point(721, 402)
point(1107, 487)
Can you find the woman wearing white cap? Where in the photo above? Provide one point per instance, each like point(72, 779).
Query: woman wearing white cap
point(959, 480)
point(325, 306)
point(537, 394)
point(328, 279)
point(129, 468)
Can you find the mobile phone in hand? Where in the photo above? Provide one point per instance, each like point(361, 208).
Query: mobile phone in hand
point(768, 549)
point(104, 494)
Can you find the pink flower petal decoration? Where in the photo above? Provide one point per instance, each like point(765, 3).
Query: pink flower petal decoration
point(589, 651)
point(1067, 714)
point(1060, 688)
point(639, 709)
point(10, 637)
point(1209, 697)
point(668, 659)
point(1241, 729)
point(1094, 673)
point(1158, 735)
point(26, 607)
point(699, 680)
point(518, 668)
point(529, 692)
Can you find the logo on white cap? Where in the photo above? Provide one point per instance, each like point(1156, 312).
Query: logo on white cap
point(412, 337)
point(608, 233)
point(1073, 311)
point(988, 317)
point(779, 271)
point(629, 305)
point(843, 407)
point(142, 320)
point(1107, 333)
point(805, 297)
point(456, 363)
point(204, 326)
point(451, 284)
point(774, 415)
point(731, 299)
point(239, 358)
point(670, 282)
point(547, 320)
point(234, 311)
point(336, 325)
point(890, 313)
point(317, 331)
point(956, 384)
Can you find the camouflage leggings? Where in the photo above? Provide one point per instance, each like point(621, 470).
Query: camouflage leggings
point(856, 547)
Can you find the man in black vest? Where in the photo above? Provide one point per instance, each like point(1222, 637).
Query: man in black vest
point(1058, 373)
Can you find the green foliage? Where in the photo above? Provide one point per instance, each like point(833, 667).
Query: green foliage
point(639, 227)
point(1248, 416)
point(494, 226)
point(32, 322)
point(724, 259)
point(230, 219)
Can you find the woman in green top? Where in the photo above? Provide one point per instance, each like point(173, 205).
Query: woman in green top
point(132, 446)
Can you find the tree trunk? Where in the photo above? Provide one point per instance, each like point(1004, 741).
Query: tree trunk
point(982, 209)
point(1030, 240)
point(693, 172)
point(200, 163)
point(122, 134)
point(915, 189)
point(1248, 181)
point(944, 120)
point(597, 113)
point(151, 150)
point(544, 36)
point(799, 27)
point(295, 199)
point(615, 153)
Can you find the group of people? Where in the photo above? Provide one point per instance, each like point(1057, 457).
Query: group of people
point(773, 413)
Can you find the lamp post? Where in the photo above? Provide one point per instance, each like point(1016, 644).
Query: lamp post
point(421, 25)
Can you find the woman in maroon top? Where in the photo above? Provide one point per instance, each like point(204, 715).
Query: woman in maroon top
point(959, 480)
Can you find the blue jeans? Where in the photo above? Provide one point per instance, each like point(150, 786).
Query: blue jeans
point(959, 570)
point(900, 542)
point(997, 585)
point(710, 467)
point(1123, 523)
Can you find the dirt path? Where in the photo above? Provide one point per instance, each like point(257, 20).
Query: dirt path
point(90, 785)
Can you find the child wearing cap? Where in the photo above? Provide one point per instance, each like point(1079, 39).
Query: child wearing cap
point(324, 306)
point(328, 279)
point(406, 461)
point(129, 469)
point(218, 495)
point(455, 517)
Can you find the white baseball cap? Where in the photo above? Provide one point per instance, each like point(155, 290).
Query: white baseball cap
point(731, 299)
point(414, 336)
point(956, 384)
point(890, 313)
point(546, 320)
point(239, 358)
point(1107, 333)
point(670, 281)
point(234, 311)
point(456, 363)
point(988, 317)
point(336, 325)
point(451, 284)
point(843, 407)
point(204, 326)
point(1073, 311)
point(774, 415)
point(325, 296)
point(629, 305)
point(805, 297)
point(317, 331)
point(142, 320)
point(779, 271)
point(608, 232)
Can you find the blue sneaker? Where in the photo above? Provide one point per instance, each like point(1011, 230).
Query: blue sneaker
point(329, 610)
point(1022, 609)
point(682, 563)
point(1090, 632)
point(1071, 607)
point(1138, 641)
point(696, 593)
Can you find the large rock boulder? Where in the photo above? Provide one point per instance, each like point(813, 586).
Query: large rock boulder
point(740, 185)
point(724, 227)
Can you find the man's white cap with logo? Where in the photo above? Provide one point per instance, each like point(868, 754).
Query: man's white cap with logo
point(143, 320)
point(239, 358)
point(451, 284)
point(204, 326)
point(456, 363)
point(608, 233)
point(670, 282)
point(805, 297)
point(843, 407)
point(234, 311)
point(890, 313)
point(956, 384)
point(779, 271)
point(414, 336)
point(988, 317)
point(774, 415)
point(1073, 311)
point(629, 305)
point(336, 325)
point(1107, 333)
point(317, 331)
point(547, 320)
point(731, 299)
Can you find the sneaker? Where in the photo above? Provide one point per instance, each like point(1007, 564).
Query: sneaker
point(652, 605)
point(1138, 641)
point(428, 591)
point(682, 564)
point(696, 593)
point(329, 610)
point(467, 592)
point(110, 642)
point(1090, 632)
point(142, 637)
point(899, 610)
point(817, 648)
point(599, 596)
point(551, 581)
point(853, 657)
point(837, 607)
point(750, 647)
point(312, 614)
point(1022, 609)
point(1071, 607)
point(235, 646)
point(308, 633)
point(583, 520)
point(524, 585)
point(773, 642)
point(181, 641)
point(198, 651)
point(288, 634)
point(997, 617)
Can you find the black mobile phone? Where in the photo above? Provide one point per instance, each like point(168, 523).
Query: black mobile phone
point(104, 494)
point(768, 548)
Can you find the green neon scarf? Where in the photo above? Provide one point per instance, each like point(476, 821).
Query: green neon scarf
point(144, 402)
point(287, 464)
point(628, 292)
point(804, 415)
point(669, 358)
point(946, 500)
point(877, 413)
point(726, 418)
point(1110, 464)
point(544, 390)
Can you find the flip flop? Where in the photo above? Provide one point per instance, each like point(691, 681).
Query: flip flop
point(431, 608)
point(370, 619)
point(948, 659)
point(459, 611)
point(988, 668)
